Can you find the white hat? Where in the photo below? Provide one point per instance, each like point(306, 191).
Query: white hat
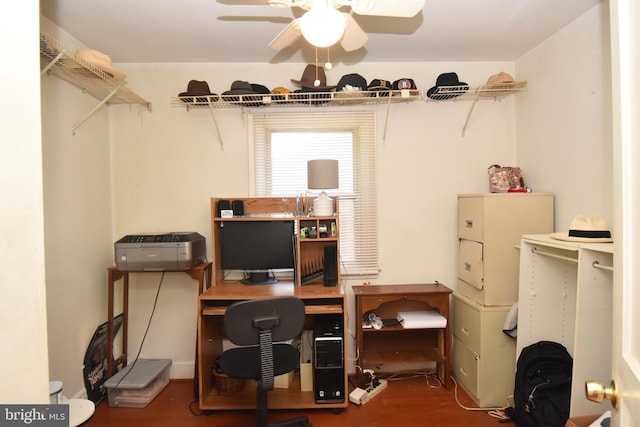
point(101, 61)
point(593, 229)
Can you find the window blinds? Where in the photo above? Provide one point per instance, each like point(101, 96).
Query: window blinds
point(283, 141)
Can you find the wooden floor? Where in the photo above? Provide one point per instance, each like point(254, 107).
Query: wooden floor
point(403, 403)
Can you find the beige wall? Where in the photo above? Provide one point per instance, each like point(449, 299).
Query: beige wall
point(564, 120)
point(158, 170)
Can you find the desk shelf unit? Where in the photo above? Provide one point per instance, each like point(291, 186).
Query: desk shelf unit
point(319, 300)
point(565, 296)
point(381, 349)
point(309, 257)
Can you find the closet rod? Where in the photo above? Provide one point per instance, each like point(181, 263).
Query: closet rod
point(549, 254)
point(596, 264)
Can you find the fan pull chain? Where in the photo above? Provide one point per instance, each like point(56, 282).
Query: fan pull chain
point(316, 82)
point(328, 65)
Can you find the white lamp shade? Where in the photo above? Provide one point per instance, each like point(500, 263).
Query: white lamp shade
point(322, 174)
point(322, 26)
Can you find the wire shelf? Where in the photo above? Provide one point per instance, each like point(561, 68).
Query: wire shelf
point(444, 93)
point(57, 59)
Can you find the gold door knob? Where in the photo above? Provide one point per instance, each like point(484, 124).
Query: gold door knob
point(597, 392)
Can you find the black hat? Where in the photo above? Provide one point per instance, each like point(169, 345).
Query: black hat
point(405, 83)
point(381, 86)
point(356, 81)
point(240, 87)
point(447, 86)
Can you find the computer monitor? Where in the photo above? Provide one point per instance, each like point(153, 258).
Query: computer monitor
point(257, 248)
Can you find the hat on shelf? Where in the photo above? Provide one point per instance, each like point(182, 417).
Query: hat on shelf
point(279, 93)
point(592, 229)
point(311, 75)
point(240, 87)
point(500, 84)
point(405, 84)
point(380, 85)
point(351, 82)
point(448, 86)
point(102, 62)
point(197, 88)
point(351, 87)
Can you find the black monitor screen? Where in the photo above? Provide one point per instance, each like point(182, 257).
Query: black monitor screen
point(257, 246)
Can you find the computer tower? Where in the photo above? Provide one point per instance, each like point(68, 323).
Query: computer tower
point(328, 359)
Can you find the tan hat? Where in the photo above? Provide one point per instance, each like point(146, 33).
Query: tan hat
point(592, 229)
point(500, 84)
point(102, 62)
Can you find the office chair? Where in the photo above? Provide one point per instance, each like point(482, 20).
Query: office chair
point(259, 324)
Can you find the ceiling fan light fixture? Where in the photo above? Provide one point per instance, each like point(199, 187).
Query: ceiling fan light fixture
point(322, 26)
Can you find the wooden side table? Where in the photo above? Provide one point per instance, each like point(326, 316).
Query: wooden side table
point(201, 273)
point(379, 348)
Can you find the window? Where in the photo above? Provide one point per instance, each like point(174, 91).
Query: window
point(282, 144)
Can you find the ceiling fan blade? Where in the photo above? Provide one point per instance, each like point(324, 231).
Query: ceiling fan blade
point(306, 4)
point(287, 36)
point(354, 36)
point(402, 9)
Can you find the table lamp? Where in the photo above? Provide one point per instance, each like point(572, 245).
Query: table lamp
point(322, 174)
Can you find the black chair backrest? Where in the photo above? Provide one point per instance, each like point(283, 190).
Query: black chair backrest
point(284, 316)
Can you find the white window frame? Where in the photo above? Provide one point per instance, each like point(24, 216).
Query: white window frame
point(358, 209)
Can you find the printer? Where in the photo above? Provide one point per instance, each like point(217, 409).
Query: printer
point(165, 251)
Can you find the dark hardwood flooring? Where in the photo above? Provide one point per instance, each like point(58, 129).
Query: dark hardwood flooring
point(403, 403)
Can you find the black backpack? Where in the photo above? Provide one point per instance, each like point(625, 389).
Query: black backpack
point(542, 393)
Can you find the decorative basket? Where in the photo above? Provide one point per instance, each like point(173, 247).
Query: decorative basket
point(226, 385)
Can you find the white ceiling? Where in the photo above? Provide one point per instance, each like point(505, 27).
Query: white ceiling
point(239, 30)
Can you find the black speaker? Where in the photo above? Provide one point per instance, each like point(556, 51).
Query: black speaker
point(238, 207)
point(223, 205)
point(330, 265)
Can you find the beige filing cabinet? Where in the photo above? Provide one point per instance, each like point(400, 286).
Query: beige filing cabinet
point(483, 357)
point(490, 227)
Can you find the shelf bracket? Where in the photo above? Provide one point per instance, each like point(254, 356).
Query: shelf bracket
point(52, 63)
point(94, 110)
point(215, 125)
point(473, 104)
point(386, 119)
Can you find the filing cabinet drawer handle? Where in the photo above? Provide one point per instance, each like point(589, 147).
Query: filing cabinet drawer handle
point(467, 266)
point(468, 223)
point(464, 331)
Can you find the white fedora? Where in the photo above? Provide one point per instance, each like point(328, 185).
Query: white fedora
point(592, 229)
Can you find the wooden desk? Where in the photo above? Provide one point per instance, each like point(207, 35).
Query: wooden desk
point(201, 273)
point(379, 348)
point(318, 300)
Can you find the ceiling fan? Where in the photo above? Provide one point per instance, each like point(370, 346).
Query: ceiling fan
point(323, 25)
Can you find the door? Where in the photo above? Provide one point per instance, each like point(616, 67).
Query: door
point(625, 55)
